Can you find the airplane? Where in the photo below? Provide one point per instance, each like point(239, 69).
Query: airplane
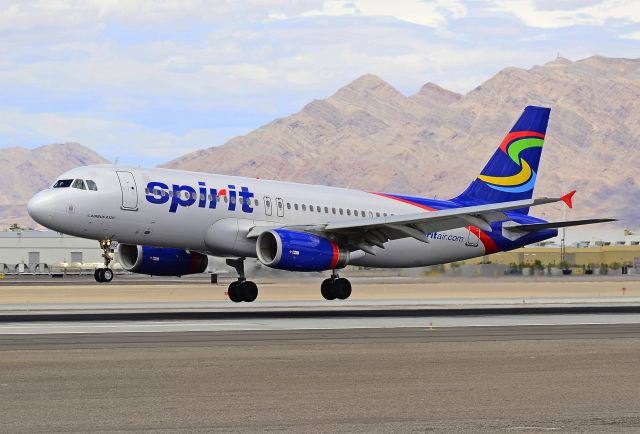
point(165, 222)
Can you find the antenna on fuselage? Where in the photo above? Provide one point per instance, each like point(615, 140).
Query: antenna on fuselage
point(115, 162)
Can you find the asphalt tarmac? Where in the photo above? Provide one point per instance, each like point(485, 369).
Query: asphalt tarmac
point(468, 356)
point(565, 378)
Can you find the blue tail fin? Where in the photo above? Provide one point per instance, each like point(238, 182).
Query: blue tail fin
point(512, 171)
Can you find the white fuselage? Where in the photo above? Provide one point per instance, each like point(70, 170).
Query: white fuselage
point(122, 209)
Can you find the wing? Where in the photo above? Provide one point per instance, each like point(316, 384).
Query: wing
point(363, 234)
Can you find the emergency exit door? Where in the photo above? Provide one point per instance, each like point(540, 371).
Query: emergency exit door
point(267, 205)
point(280, 207)
point(129, 191)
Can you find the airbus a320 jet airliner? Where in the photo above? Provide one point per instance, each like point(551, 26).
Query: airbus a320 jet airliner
point(166, 221)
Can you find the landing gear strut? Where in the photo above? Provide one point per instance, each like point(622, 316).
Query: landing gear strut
point(335, 287)
point(105, 275)
point(242, 289)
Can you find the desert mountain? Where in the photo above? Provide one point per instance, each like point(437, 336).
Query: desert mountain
point(370, 136)
point(27, 171)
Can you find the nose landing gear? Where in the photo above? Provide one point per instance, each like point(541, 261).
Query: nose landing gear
point(105, 275)
point(335, 287)
point(242, 289)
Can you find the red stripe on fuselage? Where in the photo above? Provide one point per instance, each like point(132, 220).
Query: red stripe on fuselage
point(518, 134)
point(336, 254)
point(490, 246)
point(419, 205)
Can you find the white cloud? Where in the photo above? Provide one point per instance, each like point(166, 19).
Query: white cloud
point(633, 35)
point(434, 13)
point(155, 78)
point(543, 15)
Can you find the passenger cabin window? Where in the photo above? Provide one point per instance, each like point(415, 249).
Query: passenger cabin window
point(326, 210)
point(91, 185)
point(288, 205)
point(63, 183)
point(304, 207)
point(295, 205)
point(79, 184)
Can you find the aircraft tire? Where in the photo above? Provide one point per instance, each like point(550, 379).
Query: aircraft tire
point(249, 291)
point(342, 288)
point(107, 275)
point(327, 289)
point(97, 274)
point(234, 292)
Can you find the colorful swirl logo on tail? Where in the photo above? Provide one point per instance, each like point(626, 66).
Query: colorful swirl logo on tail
point(513, 145)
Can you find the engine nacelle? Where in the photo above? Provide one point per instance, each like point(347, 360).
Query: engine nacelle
point(299, 251)
point(161, 261)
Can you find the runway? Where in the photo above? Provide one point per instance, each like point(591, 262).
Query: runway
point(470, 379)
point(157, 363)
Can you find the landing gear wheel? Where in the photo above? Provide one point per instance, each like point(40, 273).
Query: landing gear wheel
point(234, 292)
point(97, 274)
point(342, 288)
point(107, 275)
point(328, 289)
point(249, 291)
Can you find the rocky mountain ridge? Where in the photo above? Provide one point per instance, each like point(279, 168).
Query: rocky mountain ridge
point(368, 135)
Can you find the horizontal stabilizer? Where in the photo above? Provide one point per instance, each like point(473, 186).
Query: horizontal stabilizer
point(540, 226)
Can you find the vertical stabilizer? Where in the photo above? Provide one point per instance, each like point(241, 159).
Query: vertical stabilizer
point(512, 171)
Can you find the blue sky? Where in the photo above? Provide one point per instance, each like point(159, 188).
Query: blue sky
point(150, 80)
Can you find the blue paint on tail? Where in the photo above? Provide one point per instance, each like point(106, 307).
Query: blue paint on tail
point(512, 171)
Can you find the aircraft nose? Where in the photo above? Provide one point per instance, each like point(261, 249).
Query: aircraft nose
point(41, 207)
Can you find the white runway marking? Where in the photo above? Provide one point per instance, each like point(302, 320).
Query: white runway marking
point(313, 324)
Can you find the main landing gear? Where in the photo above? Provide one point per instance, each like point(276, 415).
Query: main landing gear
point(335, 287)
point(105, 275)
point(242, 289)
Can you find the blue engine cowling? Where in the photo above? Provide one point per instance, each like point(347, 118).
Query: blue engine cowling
point(161, 261)
point(299, 251)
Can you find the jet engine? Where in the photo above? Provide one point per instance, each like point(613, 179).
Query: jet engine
point(299, 251)
point(161, 261)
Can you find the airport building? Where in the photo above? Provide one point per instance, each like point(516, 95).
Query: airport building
point(29, 251)
point(588, 248)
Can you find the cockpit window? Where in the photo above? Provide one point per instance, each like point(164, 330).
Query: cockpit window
point(92, 185)
point(79, 184)
point(63, 183)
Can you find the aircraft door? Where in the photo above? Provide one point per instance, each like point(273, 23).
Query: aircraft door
point(473, 236)
point(280, 207)
point(129, 191)
point(267, 205)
